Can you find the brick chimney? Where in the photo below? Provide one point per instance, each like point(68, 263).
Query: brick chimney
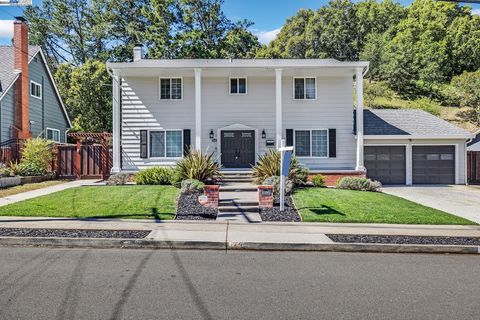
point(22, 86)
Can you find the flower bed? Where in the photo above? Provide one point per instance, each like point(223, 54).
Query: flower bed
point(188, 208)
point(274, 214)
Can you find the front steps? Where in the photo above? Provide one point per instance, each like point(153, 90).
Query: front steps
point(238, 199)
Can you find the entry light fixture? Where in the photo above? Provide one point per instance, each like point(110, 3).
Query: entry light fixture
point(211, 134)
point(264, 135)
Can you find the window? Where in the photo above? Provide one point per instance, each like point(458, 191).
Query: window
point(305, 88)
point(238, 85)
point(53, 134)
point(311, 143)
point(170, 88)
point(35, 90)
point(166, 143)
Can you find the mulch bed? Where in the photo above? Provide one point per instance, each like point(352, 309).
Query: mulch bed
point(73, 233)
point(389, 239)
point(188, 208)
point(274, 214)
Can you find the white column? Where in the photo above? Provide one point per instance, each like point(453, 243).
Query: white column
point(198, 109)
point(116, 122)
point(278, 107)
point(359, 87)
point(408, 164)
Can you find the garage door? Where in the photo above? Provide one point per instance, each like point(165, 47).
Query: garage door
point(385, 164)
point(433, 164)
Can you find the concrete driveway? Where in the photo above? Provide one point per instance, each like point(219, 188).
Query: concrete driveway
point(462, 201)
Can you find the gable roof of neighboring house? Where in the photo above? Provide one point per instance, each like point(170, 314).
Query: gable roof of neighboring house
point(410, 123)
point(8, 74)
point(474, 145)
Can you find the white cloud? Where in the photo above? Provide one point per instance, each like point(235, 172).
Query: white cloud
point(6, 29)
point(476, 11)
point(266, 36)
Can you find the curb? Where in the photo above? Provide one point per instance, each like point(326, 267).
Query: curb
point(247, 246)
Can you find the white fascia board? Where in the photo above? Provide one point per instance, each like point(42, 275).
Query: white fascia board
point(237, 63)
point(403, 137)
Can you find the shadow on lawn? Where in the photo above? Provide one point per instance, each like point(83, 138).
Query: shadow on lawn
point(323, 210)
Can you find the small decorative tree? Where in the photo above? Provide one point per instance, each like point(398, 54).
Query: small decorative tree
point(36, 157)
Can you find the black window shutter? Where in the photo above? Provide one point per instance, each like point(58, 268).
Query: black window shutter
point(143, 144)
point(332, 143)
point(186, 141)
point(289, 138)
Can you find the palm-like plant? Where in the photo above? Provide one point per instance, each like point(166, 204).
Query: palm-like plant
point(269, 166)
point(199, 166)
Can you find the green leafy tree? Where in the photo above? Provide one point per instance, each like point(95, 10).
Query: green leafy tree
point(468, 86)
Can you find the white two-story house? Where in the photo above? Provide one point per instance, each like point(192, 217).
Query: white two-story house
point(239, 109)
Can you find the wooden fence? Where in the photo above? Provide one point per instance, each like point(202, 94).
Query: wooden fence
point(473, 166)
point(89, 161)
point(10, 151)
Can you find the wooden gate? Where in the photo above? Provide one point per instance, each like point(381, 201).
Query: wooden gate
point(473, 166)
point(88, 162)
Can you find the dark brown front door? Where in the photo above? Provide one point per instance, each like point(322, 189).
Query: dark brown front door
point(238, 148)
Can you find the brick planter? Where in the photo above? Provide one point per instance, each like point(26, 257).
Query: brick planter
point(331, 178)
point(265, 196)
point(211, 191)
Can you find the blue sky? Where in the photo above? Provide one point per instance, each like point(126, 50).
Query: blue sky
point(268, 15)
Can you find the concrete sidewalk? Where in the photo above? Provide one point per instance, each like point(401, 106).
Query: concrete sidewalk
point(294, 232)
point(44, 191)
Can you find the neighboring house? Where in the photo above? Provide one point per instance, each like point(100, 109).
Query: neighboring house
point(30, 104)
point(474, 145)
point(239, 109)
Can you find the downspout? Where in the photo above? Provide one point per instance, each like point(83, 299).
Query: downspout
point(43, 109)
point(466, 160)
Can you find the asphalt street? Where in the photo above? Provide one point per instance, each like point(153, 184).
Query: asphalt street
point(39, 283)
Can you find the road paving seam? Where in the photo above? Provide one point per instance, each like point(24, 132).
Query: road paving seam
point(230, 245)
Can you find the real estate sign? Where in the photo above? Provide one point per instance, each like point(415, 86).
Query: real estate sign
point(15, 2)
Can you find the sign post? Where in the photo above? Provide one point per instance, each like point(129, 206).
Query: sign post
point(285, 158)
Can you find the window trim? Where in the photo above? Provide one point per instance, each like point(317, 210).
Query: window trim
point(304, 89)
point(165, 143)
point(53, 129)
point(41, 89)
point(310, 156)
point(238, 93)
point(160, 88)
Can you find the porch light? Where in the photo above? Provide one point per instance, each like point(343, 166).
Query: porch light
point(264, 135)
point(211, 134)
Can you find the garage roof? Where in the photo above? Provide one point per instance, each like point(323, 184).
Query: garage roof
point(410, 123)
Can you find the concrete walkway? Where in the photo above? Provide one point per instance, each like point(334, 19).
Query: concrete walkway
point(44, 191)
point(295, 233)
point(462, 201)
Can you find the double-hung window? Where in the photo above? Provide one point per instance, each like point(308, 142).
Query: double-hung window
point(35, 89)
point(305, 88)
point(166, 144)
point(311, 143)
point(170, 88)
point(53, 134)
point(238, 85)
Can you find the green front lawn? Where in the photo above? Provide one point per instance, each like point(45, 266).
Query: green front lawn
point(101, 202)
point(334, 205)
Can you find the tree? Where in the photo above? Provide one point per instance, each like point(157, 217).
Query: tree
point(468, 86)
point(87, 89)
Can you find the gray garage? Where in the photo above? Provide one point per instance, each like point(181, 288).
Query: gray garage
point(433, 164)
point(386, 164)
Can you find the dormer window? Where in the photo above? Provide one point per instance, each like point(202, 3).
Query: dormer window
point(238, 85)
point(305, 88)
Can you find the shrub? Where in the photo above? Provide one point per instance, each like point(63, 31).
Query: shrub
point(302, 174)
point(356, 183)
point(275, 182)
point(318, 181)
point(198, 165)
point(269, 166)
point(36, 157)
point(14, 168)
point(155, 176)
point(192, 185)
point(4, 171)
point(118, 179)
point(427, 105)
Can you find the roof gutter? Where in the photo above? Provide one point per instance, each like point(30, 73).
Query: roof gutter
point(409, 137)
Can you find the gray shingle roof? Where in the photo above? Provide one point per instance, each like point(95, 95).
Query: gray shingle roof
point(409, 122)
point(474, 145)
point(7, 72)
